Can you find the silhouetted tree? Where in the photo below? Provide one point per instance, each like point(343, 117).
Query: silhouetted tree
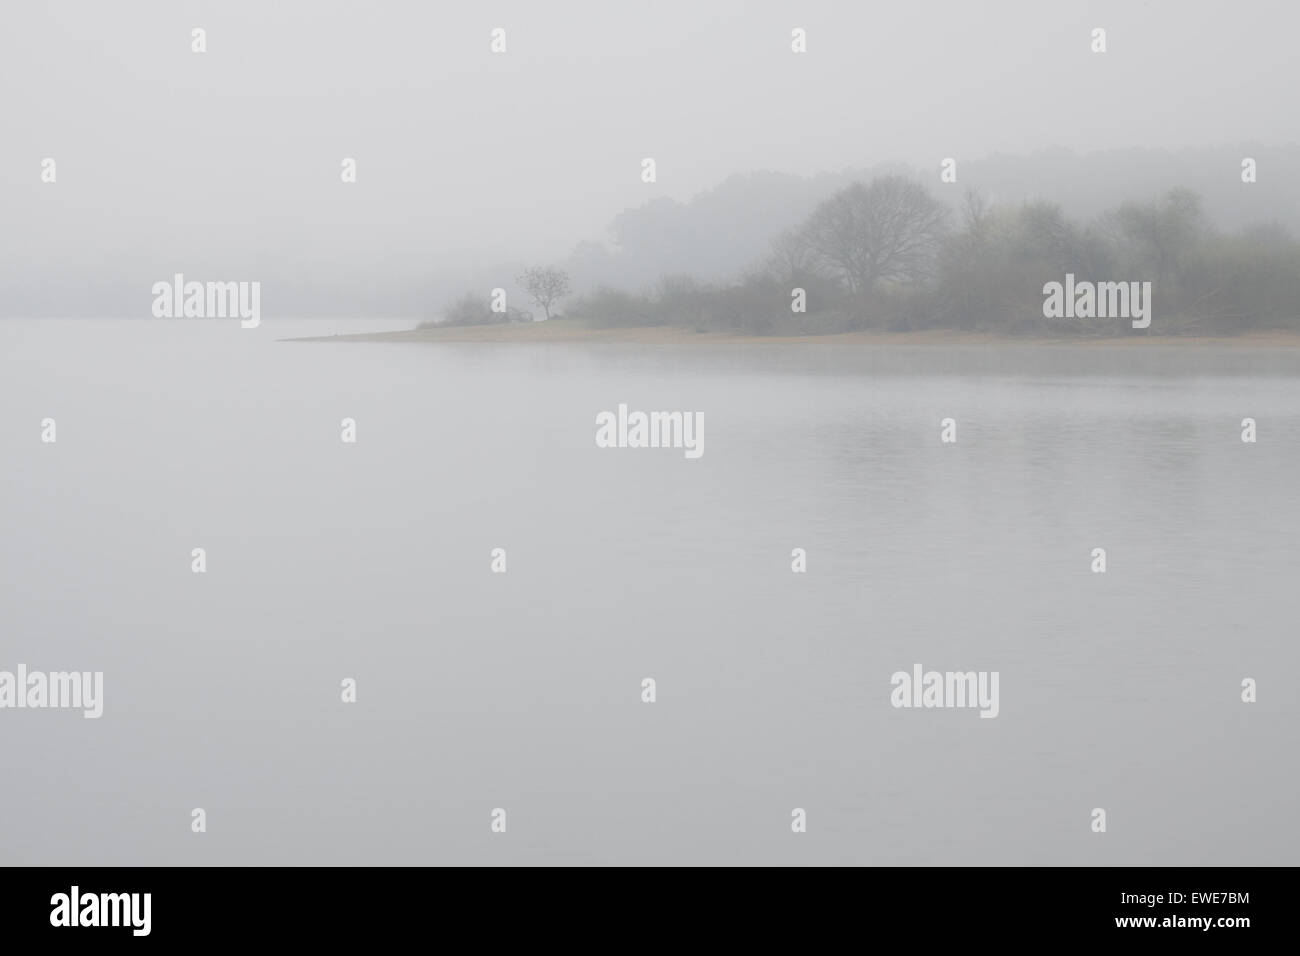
point(887, 229)
point(546, 286)
point(1164, 230)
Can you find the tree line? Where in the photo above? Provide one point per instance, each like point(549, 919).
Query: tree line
point(887, 254)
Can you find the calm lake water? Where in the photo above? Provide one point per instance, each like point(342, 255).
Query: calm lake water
point(522, 690)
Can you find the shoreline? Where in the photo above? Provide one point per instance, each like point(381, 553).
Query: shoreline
point(562, 331)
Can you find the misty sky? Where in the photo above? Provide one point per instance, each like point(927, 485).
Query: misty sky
point(226, 165)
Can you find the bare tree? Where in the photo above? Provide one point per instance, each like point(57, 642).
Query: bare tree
point(1163, 230)
point(790, 258)
point(889, 229)
point(975, 214)
point(547, 286)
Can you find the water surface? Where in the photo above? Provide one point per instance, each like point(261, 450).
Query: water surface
point(522, 690)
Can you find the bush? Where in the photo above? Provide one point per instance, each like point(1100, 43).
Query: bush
point(613, 308)
point(469, 309)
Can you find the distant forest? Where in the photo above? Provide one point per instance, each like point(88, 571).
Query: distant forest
point(897, 250)
point(886, 254)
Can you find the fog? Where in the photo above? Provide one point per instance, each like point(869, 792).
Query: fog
point(350, 597)
point(226, 164)
point(523, 690)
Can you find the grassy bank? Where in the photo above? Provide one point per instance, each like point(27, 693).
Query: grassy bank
point(573, 331)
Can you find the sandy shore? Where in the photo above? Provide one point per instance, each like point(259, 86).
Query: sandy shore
point(566, 331)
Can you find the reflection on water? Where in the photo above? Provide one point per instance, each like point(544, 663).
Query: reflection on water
point(522, 691)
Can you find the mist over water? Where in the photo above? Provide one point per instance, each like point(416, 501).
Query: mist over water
point(521, 690)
